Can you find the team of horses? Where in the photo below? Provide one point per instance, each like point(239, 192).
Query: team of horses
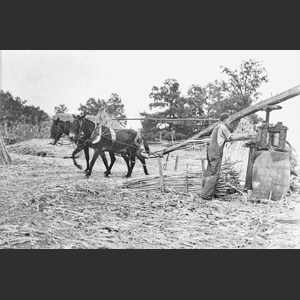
point(124, 142)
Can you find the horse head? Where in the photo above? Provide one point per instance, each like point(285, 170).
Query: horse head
point(56, 132)
point(76, 127)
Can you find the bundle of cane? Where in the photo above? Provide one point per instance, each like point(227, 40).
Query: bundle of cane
point(104, 118)
point(236, 152)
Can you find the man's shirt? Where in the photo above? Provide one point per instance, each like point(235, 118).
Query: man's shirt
point(223, 135)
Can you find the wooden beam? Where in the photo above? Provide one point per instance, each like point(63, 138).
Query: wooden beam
point(165, 119)
point(293, 92)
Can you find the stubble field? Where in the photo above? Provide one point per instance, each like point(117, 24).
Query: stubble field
point(46, 202)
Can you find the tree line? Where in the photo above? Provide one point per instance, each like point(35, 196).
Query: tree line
point(238, 91)
point(13, 111)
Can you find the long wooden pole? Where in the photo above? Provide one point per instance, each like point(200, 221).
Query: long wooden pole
point(164, 119)
point(293, 92)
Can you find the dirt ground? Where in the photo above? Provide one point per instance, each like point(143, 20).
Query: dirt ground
point(47, 202)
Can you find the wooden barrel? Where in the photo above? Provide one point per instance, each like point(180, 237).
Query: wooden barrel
point(271, 172)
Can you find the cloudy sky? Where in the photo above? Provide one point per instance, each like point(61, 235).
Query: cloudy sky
point(47, 78)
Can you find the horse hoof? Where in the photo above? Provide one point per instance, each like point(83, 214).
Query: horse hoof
point(106, 173)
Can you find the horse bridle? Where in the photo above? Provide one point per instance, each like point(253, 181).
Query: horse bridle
point(63, 133)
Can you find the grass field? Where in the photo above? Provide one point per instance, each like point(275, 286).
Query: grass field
point(46, 202)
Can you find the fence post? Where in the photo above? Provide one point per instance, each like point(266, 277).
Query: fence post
point(187, 177)
point(176, 162)
point(161, 177)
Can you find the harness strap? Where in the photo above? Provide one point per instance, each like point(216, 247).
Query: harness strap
point(98, 135)
point(113, 134)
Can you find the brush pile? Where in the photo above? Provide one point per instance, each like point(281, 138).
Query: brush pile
point(188, 180)
point(40, 147)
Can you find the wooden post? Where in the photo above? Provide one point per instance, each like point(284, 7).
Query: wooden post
point(203, 158)
point(187, 178)
point(203, 169)
point(176, 162)
point(172, 136)
point(248, 181)
point(165, 165)
point(161, 176)
point(4, 155)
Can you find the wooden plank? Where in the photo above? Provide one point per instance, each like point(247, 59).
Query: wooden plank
point(293, 92)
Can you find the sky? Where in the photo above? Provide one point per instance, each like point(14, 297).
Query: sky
point(48, 78)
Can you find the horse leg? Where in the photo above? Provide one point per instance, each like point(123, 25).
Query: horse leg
point(126, 158)
point(112, 161)
point(87, 158)
point(142, 160)
point(96, 154)
point(102, 154)
point(77, 150)
point(132, 160)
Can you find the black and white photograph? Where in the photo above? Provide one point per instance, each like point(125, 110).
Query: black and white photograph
point(149, 149)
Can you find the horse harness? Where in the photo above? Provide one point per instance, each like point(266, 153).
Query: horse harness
point(95, 137)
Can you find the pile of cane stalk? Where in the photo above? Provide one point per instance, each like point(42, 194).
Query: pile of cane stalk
point(185, 181)
point(41, 147)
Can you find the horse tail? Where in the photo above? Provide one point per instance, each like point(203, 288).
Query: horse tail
point(146, 145)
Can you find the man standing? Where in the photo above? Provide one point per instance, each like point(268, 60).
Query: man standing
point(219, 136)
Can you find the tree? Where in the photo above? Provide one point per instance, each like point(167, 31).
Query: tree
point(91, 107)
point(239, 91)
point(168, 100)
point(11, 108)
point(171, 104)
point(114, 106)
point(196, 100)
point(14, 111)
point(60, 109)
point(245, 81)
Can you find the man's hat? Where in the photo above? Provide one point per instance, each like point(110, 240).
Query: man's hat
point(224, 116)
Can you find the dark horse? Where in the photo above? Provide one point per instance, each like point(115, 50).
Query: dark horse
point(126, 143)
point(59, 128)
